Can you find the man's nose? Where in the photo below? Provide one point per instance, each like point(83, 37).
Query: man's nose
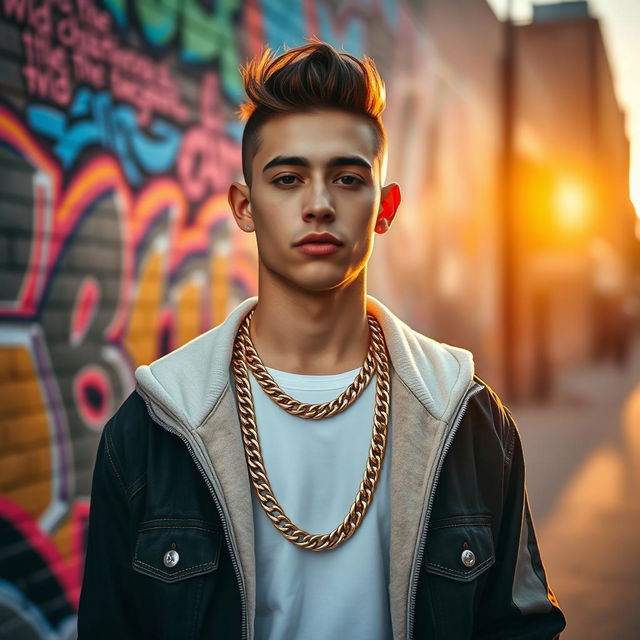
point(319, 205)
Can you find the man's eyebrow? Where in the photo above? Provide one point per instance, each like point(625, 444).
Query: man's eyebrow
point(296, 161)
point(342, 161)
point(299, 161)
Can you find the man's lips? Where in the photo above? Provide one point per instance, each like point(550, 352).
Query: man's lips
point(318, 248)
point(318, 244)
point(319, 238)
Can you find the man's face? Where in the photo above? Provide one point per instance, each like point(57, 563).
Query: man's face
point(315, 173)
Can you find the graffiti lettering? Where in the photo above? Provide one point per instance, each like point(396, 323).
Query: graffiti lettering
point(159, 95)
point(205, 34)
point(46, 70)
point(94, 120)
point(208, 159)
point(67, 47)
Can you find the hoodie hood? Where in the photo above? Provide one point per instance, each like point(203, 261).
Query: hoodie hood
point(185, 385)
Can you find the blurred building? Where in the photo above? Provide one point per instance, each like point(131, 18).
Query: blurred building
point(439, 268)
point(573, 222)
point(516, 233)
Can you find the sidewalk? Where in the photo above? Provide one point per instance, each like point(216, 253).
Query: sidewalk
point(583, 475)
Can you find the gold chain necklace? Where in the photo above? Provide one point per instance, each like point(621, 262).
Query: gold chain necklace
point(244, 354)
point(300, 409)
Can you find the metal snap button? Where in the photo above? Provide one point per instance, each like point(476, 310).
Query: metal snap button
point(171, 558)
point(468, 558)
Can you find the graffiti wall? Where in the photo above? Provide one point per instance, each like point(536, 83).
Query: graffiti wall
point(118, 140)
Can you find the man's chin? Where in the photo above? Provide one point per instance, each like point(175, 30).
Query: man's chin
point(320, 286)
point(312, 281)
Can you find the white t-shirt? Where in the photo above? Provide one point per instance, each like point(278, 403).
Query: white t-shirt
point(315, 468)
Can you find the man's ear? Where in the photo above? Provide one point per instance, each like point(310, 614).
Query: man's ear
point(240, 204)
point(389, 202)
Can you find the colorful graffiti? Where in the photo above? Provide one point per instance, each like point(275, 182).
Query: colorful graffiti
point(118, 140)
point(107, 283)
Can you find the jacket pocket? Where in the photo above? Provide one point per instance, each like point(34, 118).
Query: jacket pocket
point(176, 549)
point(458, 552)
point(460, 547)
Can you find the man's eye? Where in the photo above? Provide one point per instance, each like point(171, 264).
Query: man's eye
point(350, 180)
point(285, 180)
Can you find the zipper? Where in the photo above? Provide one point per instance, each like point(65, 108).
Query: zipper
point(223, 519)
point(413, 585)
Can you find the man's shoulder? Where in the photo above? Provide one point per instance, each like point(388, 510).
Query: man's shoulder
point(127, 430)
point(186, 383)
point(438, 374)
point(487, 413)
point(133, 440)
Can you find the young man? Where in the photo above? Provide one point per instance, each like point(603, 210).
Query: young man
point(313, 468)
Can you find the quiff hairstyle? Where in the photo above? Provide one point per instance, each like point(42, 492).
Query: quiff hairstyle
point(308, 78)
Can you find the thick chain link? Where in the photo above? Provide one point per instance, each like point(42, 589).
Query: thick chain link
point(302, 409)
point(244, 355)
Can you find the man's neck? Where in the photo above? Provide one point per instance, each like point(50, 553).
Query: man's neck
point(311, 333)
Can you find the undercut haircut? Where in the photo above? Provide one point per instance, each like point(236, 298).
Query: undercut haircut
point(308, 78)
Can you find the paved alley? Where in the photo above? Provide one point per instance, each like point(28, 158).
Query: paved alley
point(583, 475)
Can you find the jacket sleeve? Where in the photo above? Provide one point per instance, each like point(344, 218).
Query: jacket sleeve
point(107, 608)
point(517, 602)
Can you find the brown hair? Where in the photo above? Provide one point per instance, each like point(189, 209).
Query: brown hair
point(307, 78)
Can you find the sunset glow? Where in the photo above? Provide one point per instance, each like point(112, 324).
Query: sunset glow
point(571, 203)
point(619, 22)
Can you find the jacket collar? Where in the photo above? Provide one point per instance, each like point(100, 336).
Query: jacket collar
point(185, 385)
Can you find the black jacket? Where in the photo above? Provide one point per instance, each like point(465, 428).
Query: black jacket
point(170, 475)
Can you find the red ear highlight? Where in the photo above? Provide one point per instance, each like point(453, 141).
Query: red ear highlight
point(389, 207)
point(396, 197)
